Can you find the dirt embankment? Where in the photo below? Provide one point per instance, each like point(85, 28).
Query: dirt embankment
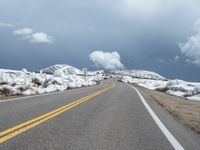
point(187, 111)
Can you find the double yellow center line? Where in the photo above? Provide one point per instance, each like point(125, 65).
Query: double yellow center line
point(16, 130)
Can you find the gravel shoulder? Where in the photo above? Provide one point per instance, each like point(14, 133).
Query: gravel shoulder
point(186, 111)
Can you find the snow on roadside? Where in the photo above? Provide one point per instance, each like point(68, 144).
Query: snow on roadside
point(194, 97)
point(146, 83)
point(188, 90)
point(141, 74)
point(59, 78)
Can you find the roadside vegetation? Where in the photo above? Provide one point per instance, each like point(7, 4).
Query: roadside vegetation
point(185, 110)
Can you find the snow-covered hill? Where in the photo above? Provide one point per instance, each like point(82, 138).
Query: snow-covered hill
point(66, 69)
point(143, 74)
point(53, 78)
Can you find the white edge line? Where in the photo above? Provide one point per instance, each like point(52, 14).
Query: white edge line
point(37, 95)
point(166, 132)
point(30, 96)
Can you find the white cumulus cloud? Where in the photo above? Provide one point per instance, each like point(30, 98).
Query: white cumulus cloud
point(41, 37)
point(23, 31)
point(191, 48)
point(107, 60)
point(33, 37)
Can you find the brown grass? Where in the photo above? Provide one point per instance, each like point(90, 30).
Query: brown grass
point(187, 111)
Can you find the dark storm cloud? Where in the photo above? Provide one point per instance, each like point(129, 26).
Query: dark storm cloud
point(145, 33)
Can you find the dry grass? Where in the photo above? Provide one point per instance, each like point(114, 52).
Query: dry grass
point(187, 111)
point(3, 97)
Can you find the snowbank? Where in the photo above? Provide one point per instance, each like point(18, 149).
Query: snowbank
point(54, 78)
point(146, 83)
point(188, 90)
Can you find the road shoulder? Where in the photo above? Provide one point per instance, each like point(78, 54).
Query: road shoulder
point(186, 136)
point(186, 111)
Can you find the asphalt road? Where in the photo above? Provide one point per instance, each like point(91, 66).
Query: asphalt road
point(110, 116)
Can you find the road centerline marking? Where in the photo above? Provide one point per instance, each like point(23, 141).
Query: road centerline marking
point(16, 130)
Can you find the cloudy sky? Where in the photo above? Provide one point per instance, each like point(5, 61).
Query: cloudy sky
point(158, 35)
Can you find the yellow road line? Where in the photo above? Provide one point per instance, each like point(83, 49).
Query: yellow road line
point(14, 131)
point(43, 116)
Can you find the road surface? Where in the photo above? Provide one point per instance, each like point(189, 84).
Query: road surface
point(110, 116)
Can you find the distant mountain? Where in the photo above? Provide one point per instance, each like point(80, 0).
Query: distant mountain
point(143, 74)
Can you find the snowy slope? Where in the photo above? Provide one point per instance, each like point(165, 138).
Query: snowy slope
point(146, 83)
point(53, 78)
point(98, 72)
point(188, 90)
point(67, 69)
point(139, 74)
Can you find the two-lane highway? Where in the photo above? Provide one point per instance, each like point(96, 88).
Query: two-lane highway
point(110, 116)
